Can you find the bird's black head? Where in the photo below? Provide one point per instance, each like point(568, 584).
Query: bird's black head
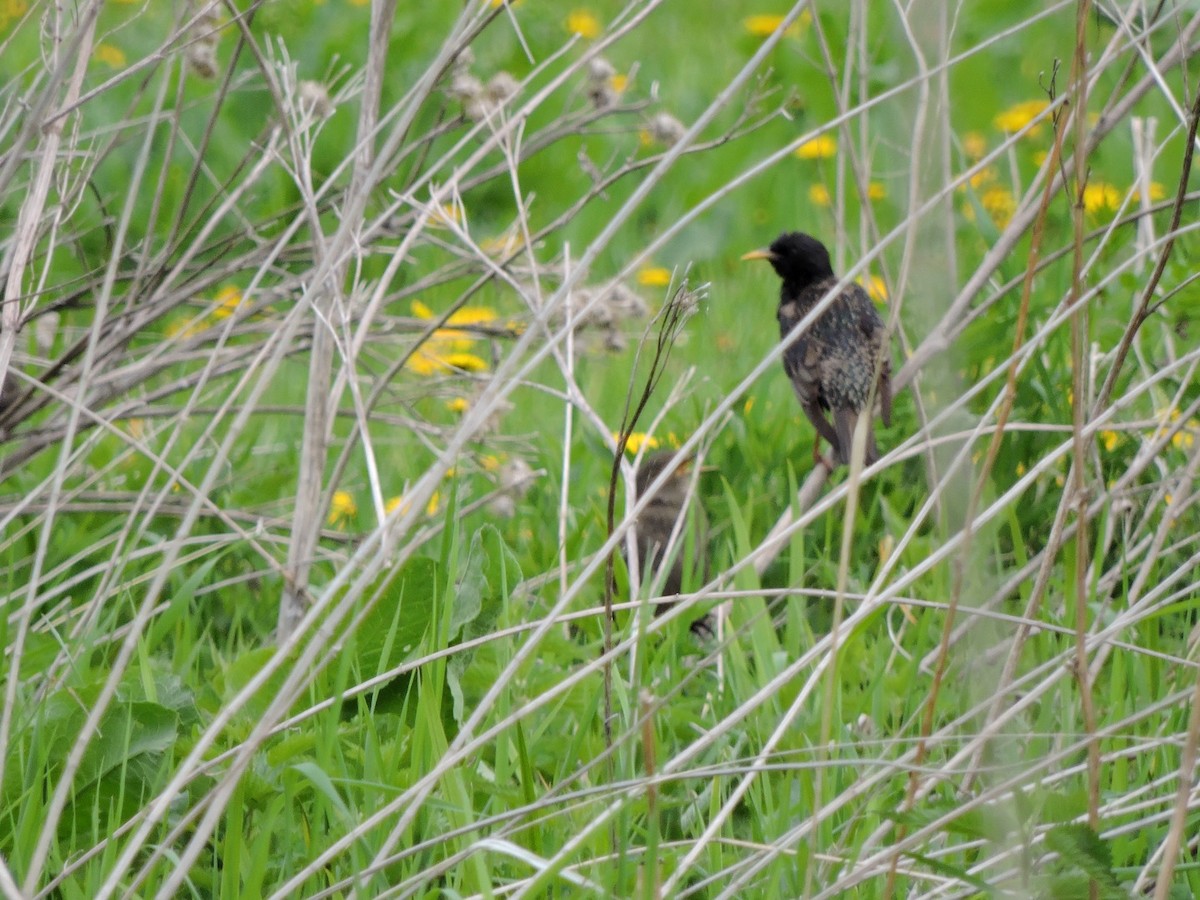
point(799, 259)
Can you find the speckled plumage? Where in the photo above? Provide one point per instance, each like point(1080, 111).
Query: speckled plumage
point(833, 363)
point(657, 522)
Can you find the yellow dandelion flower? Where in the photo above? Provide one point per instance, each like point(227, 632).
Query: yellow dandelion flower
point(974, 145)
point(1039, 158)
point(430, 359)
point(584, 23)
point(468, 362)
point(645, 138)
point(1157, 192)
point(422, 363)
point(1185, 438)
point(1100, 196)
point(876, 191)
point(823, 146)
point(1017, 117)
point(1021, 469)
point(185, 328)
point(654, 276)
point(450, 337)
point(1000, 204)
point(110, 56)
point(1109, 439)
point(764, 25)
point(458, 404)
point(747, 406)
point(341, 508)
point(876, 288)
point(986, 175)
point(229, 298)
point(637, 440)
point(618, 83)
point(396, 503)
point(490, 462)
point(434, 503)
point(819, 194)
point(673, 440)
point(496, 4)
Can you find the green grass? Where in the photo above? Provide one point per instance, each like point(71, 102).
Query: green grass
point(431, 731)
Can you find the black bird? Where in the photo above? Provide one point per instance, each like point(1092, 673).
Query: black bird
point(657, 521)
point(834, 364)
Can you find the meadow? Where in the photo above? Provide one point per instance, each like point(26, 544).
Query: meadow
point(334, 331)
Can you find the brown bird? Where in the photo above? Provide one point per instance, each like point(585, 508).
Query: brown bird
point(657, 521)
point(834, 364)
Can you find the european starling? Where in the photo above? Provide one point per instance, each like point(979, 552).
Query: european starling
point(833, 364)
point(657, 521)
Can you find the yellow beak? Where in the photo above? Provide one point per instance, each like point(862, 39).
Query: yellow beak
point(759, 254)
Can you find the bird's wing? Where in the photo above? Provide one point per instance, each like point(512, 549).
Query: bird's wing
point(874, 332)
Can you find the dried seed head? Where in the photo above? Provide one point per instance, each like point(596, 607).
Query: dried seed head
point(202, 59)
point(601, 94)
point(463, 62)
point(44, 331)
point(600, 69)
point(666, 129)
point(502, 506)
point(315, 100)
point(624, 302)
point(501, 87)
point(464, 86)
point(201, 53)
point(516, 477)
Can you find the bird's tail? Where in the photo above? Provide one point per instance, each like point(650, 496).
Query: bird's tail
point(844, 423)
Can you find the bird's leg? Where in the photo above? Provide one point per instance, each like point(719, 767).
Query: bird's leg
point(812, 409)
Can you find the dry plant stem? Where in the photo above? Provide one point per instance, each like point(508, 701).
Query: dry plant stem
point(250, 743)
point(24, 240)
point(961, 562)
point(1080, 373)
point(1179, 816)
point(671, 321)
point(651, 876)
point(328, 297)
point(993, 450)
point(959, 313)
point(1145, 309)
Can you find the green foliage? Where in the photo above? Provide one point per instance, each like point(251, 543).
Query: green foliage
point(419, 653)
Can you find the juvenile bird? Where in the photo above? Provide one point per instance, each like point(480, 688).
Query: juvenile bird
point(657, 521)
point(834, 363)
